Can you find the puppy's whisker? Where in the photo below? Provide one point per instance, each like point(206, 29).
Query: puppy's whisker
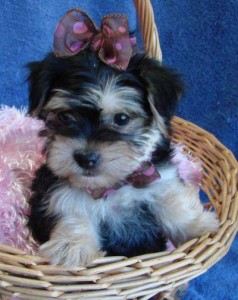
point(122, 157)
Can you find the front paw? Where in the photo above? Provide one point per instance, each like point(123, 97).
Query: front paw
point(207, 222)
point(73, 243)
point(70, 253)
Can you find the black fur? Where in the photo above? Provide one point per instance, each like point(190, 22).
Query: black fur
point(76, 73)
point(161, 82)
point(162, 153)
point(139, 235)
point(87, 125)
point(39, 222)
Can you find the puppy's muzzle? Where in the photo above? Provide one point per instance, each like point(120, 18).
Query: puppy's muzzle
point(87, 161)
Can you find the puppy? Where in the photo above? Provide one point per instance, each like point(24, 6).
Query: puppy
point(109, 186)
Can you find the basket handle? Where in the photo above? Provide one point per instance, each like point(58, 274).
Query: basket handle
point(148, 28)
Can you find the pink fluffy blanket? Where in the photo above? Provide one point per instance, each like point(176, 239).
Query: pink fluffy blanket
point(20, 156)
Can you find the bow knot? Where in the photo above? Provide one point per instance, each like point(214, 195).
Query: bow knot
point(76, 31)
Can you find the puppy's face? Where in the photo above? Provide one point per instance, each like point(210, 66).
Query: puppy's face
point(101, 123)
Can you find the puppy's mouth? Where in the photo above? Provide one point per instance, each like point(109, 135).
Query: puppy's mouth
point(90, 173)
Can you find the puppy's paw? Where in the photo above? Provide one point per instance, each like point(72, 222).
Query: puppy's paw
point(70, 253)
point(206, 222)
point(73, 243)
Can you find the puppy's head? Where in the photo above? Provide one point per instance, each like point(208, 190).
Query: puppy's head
point(101, 123)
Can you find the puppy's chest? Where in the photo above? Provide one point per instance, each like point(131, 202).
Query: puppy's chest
point(125, 220)
point(117, 206)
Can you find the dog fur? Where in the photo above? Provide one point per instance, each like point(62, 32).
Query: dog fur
point(119, 119)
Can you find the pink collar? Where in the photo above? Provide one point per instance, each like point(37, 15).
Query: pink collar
point(146, 174)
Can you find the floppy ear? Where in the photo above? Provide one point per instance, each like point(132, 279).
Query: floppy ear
point(39, 81)
point(163, 85)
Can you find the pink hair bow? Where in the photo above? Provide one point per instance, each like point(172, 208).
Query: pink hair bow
point(76, 31)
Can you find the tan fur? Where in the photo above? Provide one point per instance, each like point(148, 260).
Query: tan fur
point(72, 243)
point(107, 98)
point(180, 212)
point(118, 161)
point(159, 120)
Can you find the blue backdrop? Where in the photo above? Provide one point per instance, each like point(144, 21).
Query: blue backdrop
point(199, 38)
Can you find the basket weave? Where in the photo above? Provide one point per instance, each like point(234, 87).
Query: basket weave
point(142, 277)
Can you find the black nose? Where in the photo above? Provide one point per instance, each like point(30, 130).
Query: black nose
point(87, 161)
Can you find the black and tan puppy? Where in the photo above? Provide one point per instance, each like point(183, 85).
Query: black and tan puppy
point(108, 185)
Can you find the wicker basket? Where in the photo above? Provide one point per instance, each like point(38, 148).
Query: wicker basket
point(30, 277)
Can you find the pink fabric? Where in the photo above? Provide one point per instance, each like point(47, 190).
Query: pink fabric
point(20, 156)
point(146, 174)
point(189, 167)
point(170, 246)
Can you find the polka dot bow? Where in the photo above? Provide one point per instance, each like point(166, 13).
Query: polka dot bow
point(76, 31)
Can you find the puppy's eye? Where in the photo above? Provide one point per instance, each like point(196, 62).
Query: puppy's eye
point(121, 119)
point(66, 118)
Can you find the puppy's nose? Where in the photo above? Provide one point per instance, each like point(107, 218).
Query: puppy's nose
point(87, 161)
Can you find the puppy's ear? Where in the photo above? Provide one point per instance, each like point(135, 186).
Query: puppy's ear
point(39, 80)
point(163, 85)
